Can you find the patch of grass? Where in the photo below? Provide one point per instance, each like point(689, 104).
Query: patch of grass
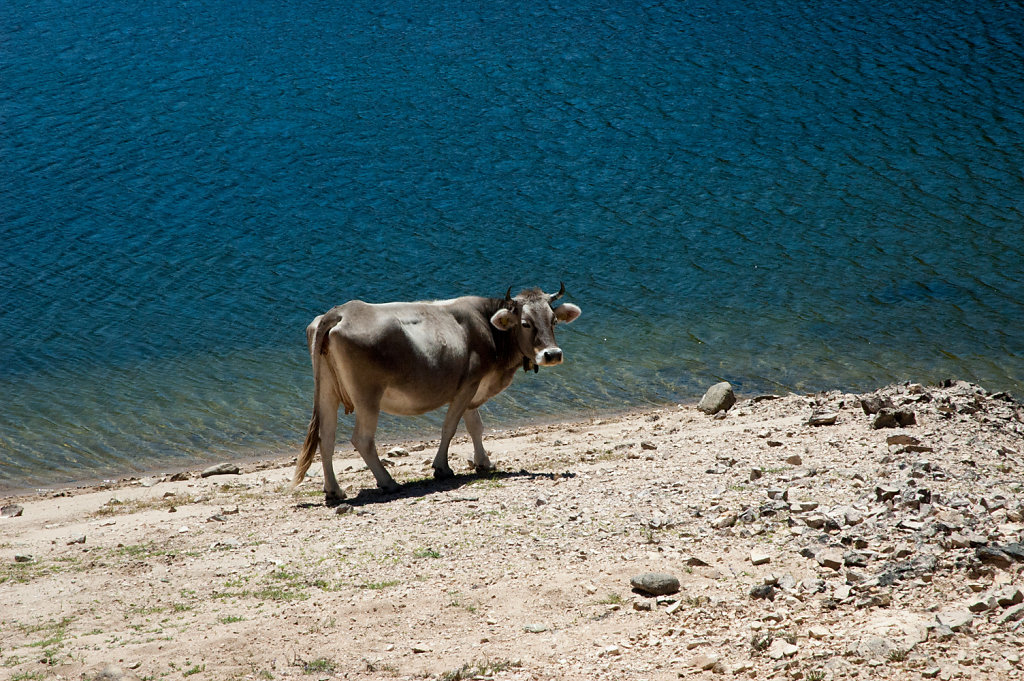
point(760, 641)
point(28, 676)
point(897, 655)
point(378, 586)
point(117, 507)
point(474, 669)
point(280, 593)
point(194, 669)
point(321, 665)
point(611, 599)
point(373, 667)
point(231, 619)
point(182, 607)
point(426, 553)
point(816, 675)
point(456, 602)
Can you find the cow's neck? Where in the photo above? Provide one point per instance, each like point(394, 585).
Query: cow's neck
point(506, 351)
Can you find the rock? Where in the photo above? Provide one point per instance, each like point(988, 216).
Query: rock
point(719, 397)
point(76, 539)
point(650, 446)
point(756, 474)
point(781, 648)
point(655, 583)
point(818, 633)
point(421, 648)
point(725, 520)
point(794, 460)
point(1011, 615)
point(902, 440)
point(930, 672)
point(610, 651)
point(886, 492)
point(760, 557)
point(957, 620)
point(893, 418)
point(642, 606)
point(111, 672)
point(825, 418)
point(983, 604)
point(942, 633)
point(778, 494)
point(694, 561)
point(535, 628)
point(1011, 595)
point(11, 511)
point(830, 558)
point(23, 558)
point(179, 477)
point(874, 647)
point(872, 404)
point(343, 509)
point(397, 452)
point(705, 662)
point(220, 469)
point(991, 555)
point(763, 591)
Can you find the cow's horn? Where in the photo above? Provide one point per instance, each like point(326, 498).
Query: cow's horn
point(555, 296)
point(508, 293)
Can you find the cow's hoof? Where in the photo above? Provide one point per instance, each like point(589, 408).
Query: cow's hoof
point(333, 499)
point(443, 473)
point(390, 488)
point(485, 469)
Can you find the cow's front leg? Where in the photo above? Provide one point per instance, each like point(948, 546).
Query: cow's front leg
point(451, 421)
point(475, 426)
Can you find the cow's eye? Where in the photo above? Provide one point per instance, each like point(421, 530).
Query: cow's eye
point(527, 325)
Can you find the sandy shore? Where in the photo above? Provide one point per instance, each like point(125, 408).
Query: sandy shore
point(801, 551)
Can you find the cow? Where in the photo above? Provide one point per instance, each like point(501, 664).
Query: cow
point(411, 358)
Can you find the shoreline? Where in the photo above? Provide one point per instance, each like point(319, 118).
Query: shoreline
point(827, 551)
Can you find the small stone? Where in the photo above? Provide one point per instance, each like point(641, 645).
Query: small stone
point(760, 557)
point(794, 460)
point(931, 672)
point(179, 477)
point(901, 440)
point(535, 628)
point(1011, 615)
point(421, 648)
point(727, 519)
point(825, 418)
point(343, 509)
point(872, 404)
point(705, 661)
point(830, 558)
point(956, 620)
point(942, 633)
point(397, 452)
point(694, 561)
point(642, 606)
point(11, 511)
point(756, 474)
point(993, 556)
point(781, 648)
point(886, 492)
point(650, 446)
point(763, 591)
point(778, 494)
point(719, 397)
point(982, 604)
point(1011, 595)
point(610, 651)
point(655, 583)
point(818, 633)
point(76, 539)
point(220, 469)
point(23, 558)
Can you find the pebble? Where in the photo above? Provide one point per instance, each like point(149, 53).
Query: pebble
point(705, 661)
point(535, 628)
point(718, 398)
point(220, 469)
point(11, 511)
point(76, 539)
point(781, 648)
point(830, 558)
point(655, 583)
point(956, 620)
point(23, 558)
point(759, 557)
point(824, 418)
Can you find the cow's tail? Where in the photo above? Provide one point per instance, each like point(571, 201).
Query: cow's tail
point(317, 349)
point(305, 459)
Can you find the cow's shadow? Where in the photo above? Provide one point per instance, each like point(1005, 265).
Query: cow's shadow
point(418, 489)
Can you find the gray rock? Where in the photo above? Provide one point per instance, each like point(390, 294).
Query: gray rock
point(794, 460)
point(77, 539)
point(874, 647)
point(11, 511)
point(872, 404)
point(825, 418)
point(343, 509)
point(1011, 595)
point(763, 591)
point(727, 519)
point(642, 606)
point(719, 397)
point(23, 558)
point(535, 628)
point(655, 583)
point(759, 556)
point(942, 633)
point(781, 648)
point(957, 620)
point(894, 418)
point(830, 558)
point(220, 469)
point(1011, 615)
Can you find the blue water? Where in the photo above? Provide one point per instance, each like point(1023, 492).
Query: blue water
point(789, 195)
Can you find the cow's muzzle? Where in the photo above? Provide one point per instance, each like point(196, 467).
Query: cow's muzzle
point(549, 357)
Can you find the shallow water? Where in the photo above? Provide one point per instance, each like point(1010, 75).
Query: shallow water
point(792, 196)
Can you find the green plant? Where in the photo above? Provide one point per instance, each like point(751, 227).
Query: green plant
point(194, 669)
point(231, 619)
point(319, 665)
point(759, 642)
point(377, 586)
point(816, 675)
point(426, 553)
point(897, 655)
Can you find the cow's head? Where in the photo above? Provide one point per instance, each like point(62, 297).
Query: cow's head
point(531, 319)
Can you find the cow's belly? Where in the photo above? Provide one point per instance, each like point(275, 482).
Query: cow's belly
point(402, 403)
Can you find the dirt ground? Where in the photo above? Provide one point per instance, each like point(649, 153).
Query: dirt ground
point(801, 551)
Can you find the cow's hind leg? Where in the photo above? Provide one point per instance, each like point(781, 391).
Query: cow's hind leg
point(328, 429)
point(363, 439)
point(475, 426)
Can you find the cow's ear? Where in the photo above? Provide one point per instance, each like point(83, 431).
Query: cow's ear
point(567, 312)
point(503, 319)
